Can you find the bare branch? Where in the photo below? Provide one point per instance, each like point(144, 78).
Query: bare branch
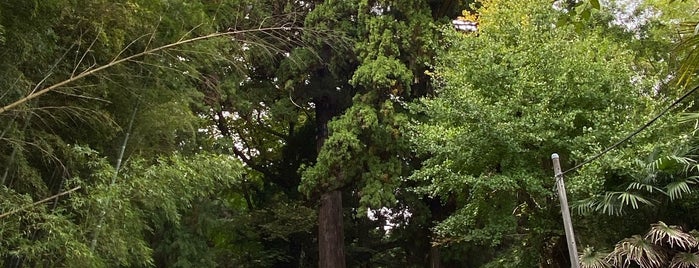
point(82, 96)
point(82, 57)
point(127, 47)
point(189, 32)
point(152, 35)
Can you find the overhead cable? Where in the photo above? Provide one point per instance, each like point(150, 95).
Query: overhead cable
point(634, 133)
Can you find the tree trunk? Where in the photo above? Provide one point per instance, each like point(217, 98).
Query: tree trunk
point(331, 239)
point(435, 261)
point(330, 233)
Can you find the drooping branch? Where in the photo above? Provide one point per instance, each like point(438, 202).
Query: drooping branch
point(39, 202)
point(115, 62)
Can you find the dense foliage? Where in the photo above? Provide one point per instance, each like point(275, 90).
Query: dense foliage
point(521, 89)
point(285, 133)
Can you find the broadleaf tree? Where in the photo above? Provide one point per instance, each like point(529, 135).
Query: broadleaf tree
point(508, 97)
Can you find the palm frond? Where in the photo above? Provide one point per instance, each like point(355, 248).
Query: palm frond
point(672, 162)
point(669, 235)
point(587, 205)
point(654, 165)
point(593, 259)
point(685, 260)
point(695, 234)
point(632, 199)
point(611, 203)
point(690, 117)
point(676, 189)
point(644, 187)
point(639, 251)
point(684, 161)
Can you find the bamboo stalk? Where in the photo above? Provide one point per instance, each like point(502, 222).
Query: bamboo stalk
point(39, 202)
point(116, 173)
point(115, 62)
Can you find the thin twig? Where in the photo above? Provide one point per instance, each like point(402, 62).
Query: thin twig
point(50, 71)
point(294, 103)
point(41, 82)
point(189, 32)
point(127, 47)
point(83, 56)
point(81, 97)
point(152, 35)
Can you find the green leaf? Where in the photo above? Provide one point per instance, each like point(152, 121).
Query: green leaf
point(586, 14)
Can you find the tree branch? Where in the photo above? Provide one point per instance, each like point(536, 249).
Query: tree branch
point(250, 163)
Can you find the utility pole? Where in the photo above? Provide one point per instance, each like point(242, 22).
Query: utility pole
point(567, 223)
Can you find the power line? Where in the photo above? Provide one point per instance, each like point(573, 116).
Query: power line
point(628, 137)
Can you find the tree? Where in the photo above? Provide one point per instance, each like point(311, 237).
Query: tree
point(362, 152)
point(521, 89)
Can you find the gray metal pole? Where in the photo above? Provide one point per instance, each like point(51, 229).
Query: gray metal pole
point(567, 223)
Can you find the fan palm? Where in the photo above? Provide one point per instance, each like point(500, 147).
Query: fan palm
point(637, 250)
point(593, 259)
point(671, 176)
point(670, 237)
point(685, 260)
point(662, 246)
